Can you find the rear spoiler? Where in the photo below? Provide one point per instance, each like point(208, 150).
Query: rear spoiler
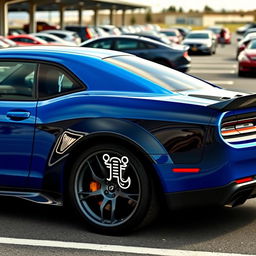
point(248, 101)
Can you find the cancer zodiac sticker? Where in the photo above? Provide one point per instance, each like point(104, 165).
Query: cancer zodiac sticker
point(116, 167)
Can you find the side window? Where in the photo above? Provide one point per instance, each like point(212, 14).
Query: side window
point(126, 44)
point(17, 80)
point(53, 81)
point(104, 44)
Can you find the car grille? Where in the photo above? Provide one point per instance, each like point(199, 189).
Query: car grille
point(194, 45)
point(240, 129)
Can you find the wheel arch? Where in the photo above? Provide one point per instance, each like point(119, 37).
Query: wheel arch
point(116, 139)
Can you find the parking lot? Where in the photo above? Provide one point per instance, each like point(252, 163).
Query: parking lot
point(222, 230)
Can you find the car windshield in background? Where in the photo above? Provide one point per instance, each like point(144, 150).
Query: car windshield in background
point(198, 35)
point(165, 77)
point(169, 33)
point(215, 30)
point(252, 45)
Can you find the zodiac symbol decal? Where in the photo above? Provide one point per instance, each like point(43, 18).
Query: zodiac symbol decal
point(116, 167)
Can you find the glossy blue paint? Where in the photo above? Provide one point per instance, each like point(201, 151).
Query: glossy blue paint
point(115, 98)
point(16, 140)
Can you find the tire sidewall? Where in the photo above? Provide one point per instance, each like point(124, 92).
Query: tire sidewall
point(140, 212)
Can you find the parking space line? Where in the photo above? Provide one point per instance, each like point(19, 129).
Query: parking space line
point(221, 82)
point(214, 71)
point(111, 248)
point(218, 65)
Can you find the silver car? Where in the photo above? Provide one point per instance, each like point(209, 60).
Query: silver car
point(66, 35)
point(203, 41)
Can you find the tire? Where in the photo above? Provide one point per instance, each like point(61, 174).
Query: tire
point(111, 205)
point(241, 73)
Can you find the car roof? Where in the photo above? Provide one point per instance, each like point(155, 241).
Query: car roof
point(200, 31)
point(137, 37)
point(58, 31)
point(60, 51)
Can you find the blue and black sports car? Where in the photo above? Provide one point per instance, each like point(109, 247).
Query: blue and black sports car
point(114, 135)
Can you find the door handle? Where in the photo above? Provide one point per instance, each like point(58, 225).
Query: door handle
point(18, 115)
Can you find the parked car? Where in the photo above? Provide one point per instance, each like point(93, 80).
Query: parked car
point(175, 57)
point(26, 40)
point(52, 39)
point(203, 41)
point(40, 26)
point(173, 35)
point(111, 29)
point(243, 29)
point(66, 35)
point(15, 32)
point(242, 44)
point(152, 35)
point(247, 59)
point(249, 31)
point(3, 44)
point(84, 32)
point(184, 31)
point(220, 29)
point(7, 41)
point(113, 135)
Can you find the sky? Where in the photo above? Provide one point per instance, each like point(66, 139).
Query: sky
point(158, 5)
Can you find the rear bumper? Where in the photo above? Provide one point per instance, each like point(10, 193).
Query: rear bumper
point(232, 194)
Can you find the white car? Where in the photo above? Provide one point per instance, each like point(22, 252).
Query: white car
point(66, 35)
point(204, 41)
point(52, 39)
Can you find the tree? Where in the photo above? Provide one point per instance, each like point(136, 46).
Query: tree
point(148, 17)
point(181, 10)
point(208, 9)
point(172, 8)
point(133, 20)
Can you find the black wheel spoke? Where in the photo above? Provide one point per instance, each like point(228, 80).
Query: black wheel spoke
point(129, 196)
point(85, 195)
point(102, 207)
point(113, 210)
point(103, 170)
point(94, 176)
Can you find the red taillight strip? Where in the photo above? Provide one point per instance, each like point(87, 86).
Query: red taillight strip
point(243, 180)
point(190, 170)
point(240, 121)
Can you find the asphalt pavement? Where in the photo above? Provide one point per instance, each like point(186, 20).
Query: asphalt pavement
point(218, 230)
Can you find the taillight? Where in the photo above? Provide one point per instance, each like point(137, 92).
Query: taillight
point(88, 33)
point(185, 54)
point(239, 130)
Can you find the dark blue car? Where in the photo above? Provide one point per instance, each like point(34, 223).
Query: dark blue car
point(115, 135)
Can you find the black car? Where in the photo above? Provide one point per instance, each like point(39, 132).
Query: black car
point(243, 29)
point(171, 56)
point(160, 37)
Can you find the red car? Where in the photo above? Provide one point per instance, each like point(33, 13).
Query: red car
point(27, 40)
point(40, 26)
point(247, 59)
point(221, 32)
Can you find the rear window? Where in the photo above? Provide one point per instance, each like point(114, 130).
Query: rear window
point(198, 35)
point(165, 77)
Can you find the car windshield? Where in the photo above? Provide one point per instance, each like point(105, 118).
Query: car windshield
point(169, 33)
point(198, 35)
point(215, 30)
point(252, 45)
point(165, 77)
